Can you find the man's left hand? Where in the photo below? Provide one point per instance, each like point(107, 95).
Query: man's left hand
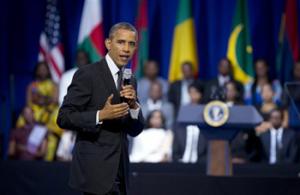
point(130, 94)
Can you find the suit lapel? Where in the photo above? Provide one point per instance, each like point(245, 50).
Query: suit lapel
point(268, 144)
point(108, 80)
point(284, 140)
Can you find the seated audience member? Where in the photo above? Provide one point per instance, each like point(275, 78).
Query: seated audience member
point(42, 98)
point(155, 101)
point(29, 141)
point(245, 147)
point(267, 105)
point(196, 91)
point(178, 91)
point(253, 89)
point(67, 140)
point(189, 144)
point(42, 95)
point(217, 85)
point(65, 146)
point(292, 92)
point(279, 143)
point(232, 94)
point(154, 144)
point(82, 59)
point(151, 70)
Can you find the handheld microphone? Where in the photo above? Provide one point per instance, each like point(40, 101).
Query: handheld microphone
point(126, 80)
point(127, 76)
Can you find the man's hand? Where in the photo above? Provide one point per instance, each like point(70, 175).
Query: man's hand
point(129, 93)
point(113, 111)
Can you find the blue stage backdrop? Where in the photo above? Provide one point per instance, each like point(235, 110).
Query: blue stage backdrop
point(22, 22)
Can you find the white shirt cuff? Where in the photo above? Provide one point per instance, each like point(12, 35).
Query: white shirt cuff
point(97, 118)
point(134, 113)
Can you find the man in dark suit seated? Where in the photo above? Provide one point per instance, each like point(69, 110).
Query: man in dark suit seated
point(217, 85)
point(189, 145)
point(94, 109)
point(279, 144)
point(178, 93)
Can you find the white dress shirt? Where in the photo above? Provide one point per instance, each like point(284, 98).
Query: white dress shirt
point(275, 142)
point(134, 113)
point(154, 105)
point(223, 80)
point(190, 154)
point(185, 97)
point(64, 83)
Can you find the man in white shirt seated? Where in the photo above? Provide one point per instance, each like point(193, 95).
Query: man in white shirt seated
point(65, 146)
point(156, 101)
point(82, 58)
point(151, 71)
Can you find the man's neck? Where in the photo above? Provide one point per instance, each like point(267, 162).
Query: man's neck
point(277, 128)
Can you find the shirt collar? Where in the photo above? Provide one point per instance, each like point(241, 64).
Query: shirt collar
point(114, 69)
point(154, 105)
point(279, 130)
point(223, 79)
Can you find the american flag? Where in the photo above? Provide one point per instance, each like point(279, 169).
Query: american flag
point(51, 49)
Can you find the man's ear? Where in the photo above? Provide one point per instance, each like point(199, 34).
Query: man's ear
point(107, 44)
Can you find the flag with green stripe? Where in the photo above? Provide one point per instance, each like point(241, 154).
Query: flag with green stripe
point(239, 50)
point(91, 36)
point(184, 42)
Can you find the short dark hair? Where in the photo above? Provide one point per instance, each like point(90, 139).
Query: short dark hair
point(279, 110)
point(187, 63)
point(122, 25)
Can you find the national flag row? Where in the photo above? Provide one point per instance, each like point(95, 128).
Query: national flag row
point(184, 48)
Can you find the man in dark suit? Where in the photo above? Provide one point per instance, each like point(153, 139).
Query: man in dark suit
point(94, 109)
point(178, 93)
point(216, 86)
point(279, 144)
point(189, 145)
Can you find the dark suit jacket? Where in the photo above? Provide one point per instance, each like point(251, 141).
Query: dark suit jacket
point(213, 85)
point(179, 144)
point(288, 152)
point(99, 149)
point(174, 94)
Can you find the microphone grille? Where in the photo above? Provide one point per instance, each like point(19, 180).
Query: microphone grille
point(127, 73)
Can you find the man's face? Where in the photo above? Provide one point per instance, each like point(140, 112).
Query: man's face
point(151, 70)
point(224, 67)
point(82, 58)
point(155, 91)
point(121, 46)
point(276, 119)
point(261, 69)
point(187, 71)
